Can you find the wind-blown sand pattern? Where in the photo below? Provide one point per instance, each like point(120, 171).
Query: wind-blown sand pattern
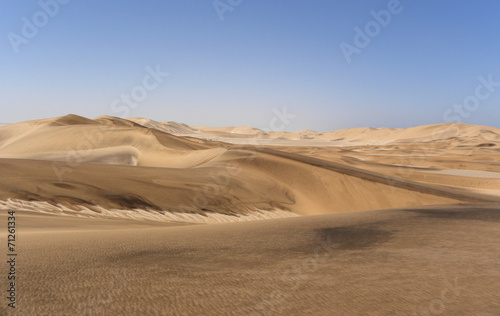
point(417, 261)
point(137, 214)
point(125, 217)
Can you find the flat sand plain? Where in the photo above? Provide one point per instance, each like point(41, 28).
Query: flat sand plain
point(136, 217)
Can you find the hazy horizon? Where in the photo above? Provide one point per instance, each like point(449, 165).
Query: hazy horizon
point(269, 129)
point(217, 63)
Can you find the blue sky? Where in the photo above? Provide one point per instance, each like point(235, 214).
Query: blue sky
point(260, 57)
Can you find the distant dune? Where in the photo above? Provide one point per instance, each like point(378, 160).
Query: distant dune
point(117, 164)
point(137, 217)
point(344, 137)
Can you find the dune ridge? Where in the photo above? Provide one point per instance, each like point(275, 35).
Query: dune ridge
point(135, 211)
point(343, 137)
point(112, 164)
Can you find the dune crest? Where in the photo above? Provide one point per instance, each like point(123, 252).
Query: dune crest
point(343, 137)
point(111, 164)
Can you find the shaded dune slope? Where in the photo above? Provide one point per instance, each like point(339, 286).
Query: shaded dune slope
point(118, 164)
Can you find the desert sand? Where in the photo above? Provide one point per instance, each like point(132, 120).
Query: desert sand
point(416, 261)
point(136, 217)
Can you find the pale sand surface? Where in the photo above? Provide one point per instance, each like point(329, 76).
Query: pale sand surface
point(437, 260)
point(468, 173)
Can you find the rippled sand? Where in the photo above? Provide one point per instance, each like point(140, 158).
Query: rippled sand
point(435, 260)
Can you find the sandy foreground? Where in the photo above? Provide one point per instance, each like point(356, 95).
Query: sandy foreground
point(137, 217)
point(417, 261)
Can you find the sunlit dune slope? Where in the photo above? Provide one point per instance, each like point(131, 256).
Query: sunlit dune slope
point(105, 140)
point(118, 164)
point(345, 137)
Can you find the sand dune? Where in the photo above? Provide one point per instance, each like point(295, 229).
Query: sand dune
point(137, 217)
point(116, 164)
point(264, 183)
point(167, 127)
point(417, 261)
point(344, 137)
point(76, 139)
